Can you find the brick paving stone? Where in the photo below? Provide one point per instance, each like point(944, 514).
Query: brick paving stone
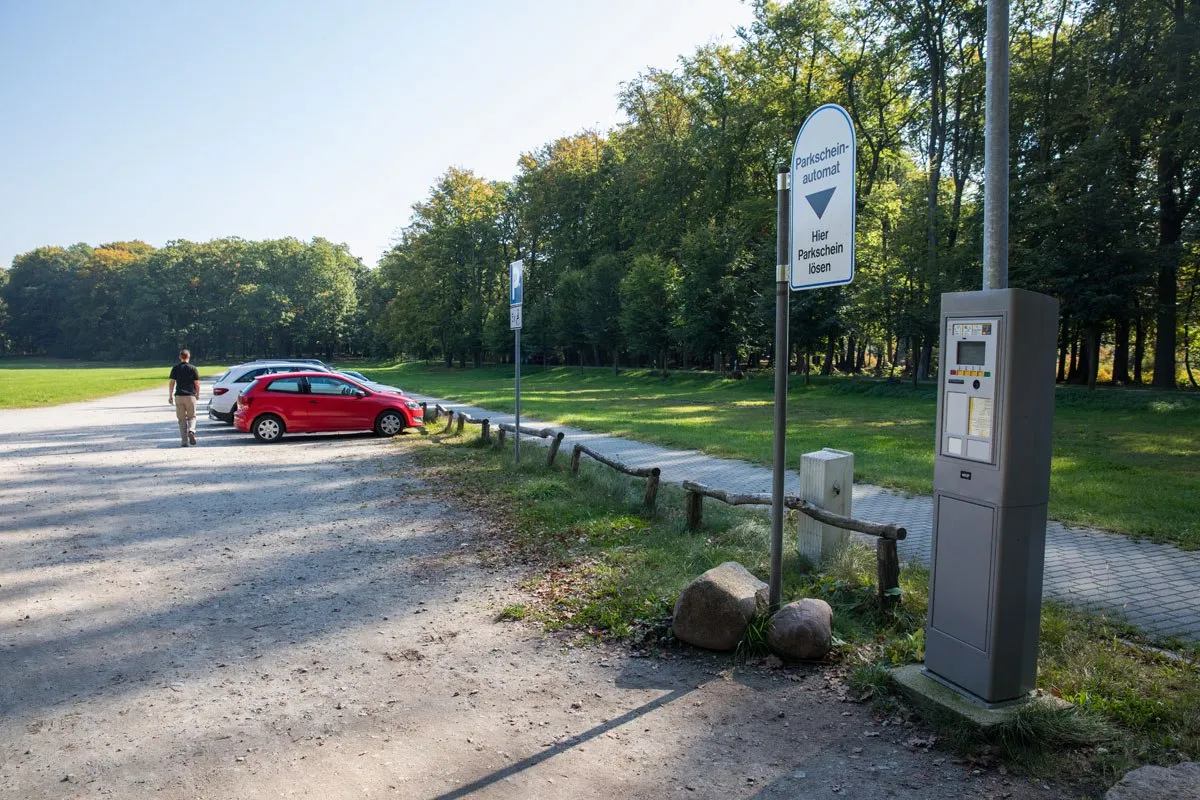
point(1156, 587)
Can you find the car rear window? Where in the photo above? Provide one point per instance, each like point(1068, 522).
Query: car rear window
point(290, 385)
point(250, 375)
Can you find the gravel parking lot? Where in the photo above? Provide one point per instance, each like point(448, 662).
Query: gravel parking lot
point(310, 619)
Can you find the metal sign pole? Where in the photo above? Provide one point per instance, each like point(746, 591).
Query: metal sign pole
point(516, 299)
point(782, 255)
point(517, 433)
point(995, 181)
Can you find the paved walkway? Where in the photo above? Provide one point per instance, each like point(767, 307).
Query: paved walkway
point(1155, 587)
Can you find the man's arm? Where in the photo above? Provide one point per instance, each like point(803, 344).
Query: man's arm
point(171, 391)
point(196, 388)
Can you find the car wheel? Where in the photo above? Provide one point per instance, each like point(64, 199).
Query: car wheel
point(268, 428)
point(389, 423)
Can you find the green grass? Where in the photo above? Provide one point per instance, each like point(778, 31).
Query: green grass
point(1124, 460)
point(604, 568)
point(29, 383)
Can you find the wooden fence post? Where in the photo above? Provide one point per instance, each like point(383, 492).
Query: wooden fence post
point(575, 454)
point(500, 434)
point(554, 445)
point(651, 489)
point(887, 568)
point(424, 409)
point(462, 418)
point(449, 421)
point(694, 510)
point(485, 432)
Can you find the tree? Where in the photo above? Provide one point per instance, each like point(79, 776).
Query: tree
point(648, 306)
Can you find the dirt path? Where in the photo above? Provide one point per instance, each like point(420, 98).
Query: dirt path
point(308, 619)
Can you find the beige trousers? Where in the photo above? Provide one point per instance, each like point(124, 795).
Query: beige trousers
point(185, 412)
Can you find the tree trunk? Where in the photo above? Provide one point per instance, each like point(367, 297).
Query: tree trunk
point(1093, 362)
point(827, 365)
point(1062, 352)
point(1120, 371)
point(915, 345)
point(1073, 367)
point(1166, 340)
point(1139, 347)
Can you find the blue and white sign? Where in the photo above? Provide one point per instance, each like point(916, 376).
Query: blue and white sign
point(515, 286)
point(823, 202)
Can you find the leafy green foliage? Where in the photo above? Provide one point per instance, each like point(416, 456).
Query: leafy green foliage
point(225, 297)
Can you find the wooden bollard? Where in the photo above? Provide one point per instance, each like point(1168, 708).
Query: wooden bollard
point(651, 489)
point(424, 410)
point(694, 510)
point(462, 419)
point(485, 432)
point(500, 434)
point(554, 445)
point(437, 412)
point(449, 421)
point(575, 454)
point(887, 572)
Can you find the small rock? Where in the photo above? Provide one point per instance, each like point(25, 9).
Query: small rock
point(802, 629)
point(1180, 782)
point(714, 610)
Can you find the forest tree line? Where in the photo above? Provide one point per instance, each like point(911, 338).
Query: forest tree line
point(226, 297)
point(654, 242)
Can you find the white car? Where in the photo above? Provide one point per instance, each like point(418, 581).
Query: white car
point(223, 401)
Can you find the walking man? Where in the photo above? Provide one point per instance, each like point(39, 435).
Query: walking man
point(183, 391)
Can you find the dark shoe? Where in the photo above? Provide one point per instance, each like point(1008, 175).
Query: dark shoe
point(183, 444)
point(191, 438)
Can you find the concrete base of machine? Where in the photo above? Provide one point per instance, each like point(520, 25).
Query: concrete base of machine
point(938, 702)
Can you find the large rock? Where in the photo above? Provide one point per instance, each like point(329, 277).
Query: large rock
point(803, 629)
point(1180, 782)
point(714, 610)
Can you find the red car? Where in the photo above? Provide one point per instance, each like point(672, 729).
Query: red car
point(309, 402)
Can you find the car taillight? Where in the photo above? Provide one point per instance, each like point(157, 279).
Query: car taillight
point(220, 390)
point(244, 400)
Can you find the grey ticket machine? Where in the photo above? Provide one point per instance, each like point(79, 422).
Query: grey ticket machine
point(991, 484)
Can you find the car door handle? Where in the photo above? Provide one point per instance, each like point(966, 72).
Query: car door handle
point(312, 402)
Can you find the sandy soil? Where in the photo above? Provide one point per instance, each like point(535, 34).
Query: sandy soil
point(310, 619)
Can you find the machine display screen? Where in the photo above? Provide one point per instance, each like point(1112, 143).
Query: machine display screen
point(972, 353)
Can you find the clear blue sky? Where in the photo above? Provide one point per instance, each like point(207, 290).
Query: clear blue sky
point(155, 120)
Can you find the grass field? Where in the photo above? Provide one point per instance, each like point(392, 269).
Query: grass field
point(28, 383)
point(1124, 460)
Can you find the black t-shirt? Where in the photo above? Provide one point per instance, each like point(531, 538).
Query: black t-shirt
point(185, 377)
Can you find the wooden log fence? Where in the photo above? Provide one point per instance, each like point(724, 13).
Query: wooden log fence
point(651, 474)
point(554, 436)
point(887, 561)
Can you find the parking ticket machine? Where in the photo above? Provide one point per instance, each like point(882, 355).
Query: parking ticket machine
point(991, 485)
